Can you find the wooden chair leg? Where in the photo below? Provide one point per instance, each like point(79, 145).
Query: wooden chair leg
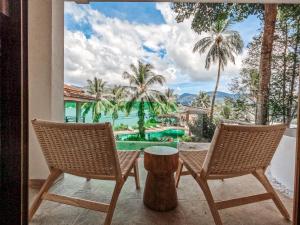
point(260, 175)
point(210, 200)
point(178, 173)
point(54, 174)
point(113, 202)
point(136, 174)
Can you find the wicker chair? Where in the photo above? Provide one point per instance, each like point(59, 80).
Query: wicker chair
point(86, 150)
point(236, 150)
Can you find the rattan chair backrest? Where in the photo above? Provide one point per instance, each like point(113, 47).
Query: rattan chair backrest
point(241, 149)
point(79, 148)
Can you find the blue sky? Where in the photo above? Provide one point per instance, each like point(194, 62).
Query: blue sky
point(135, 12)
point(106, 21)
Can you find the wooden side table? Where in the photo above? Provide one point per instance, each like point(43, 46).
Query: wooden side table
point(160, 192)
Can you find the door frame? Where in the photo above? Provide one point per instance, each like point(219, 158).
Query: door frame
point(14, 112)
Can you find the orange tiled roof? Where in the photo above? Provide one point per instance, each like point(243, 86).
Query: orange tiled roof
point(75, 93)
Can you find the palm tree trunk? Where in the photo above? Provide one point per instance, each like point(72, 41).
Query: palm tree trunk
point(215, 92)
point(265, 63)
point(141, 122)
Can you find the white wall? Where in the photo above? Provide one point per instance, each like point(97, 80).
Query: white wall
point(46, 60)
point(282, 168)
point(57, 77)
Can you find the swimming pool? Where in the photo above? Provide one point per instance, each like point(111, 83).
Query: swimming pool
point(165, 135)
point(140, 145)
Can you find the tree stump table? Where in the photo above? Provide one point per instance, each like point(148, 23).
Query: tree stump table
point(161, 162)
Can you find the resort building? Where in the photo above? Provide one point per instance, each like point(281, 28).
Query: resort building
point(76, 96)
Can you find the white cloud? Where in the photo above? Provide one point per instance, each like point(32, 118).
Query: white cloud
point(115, 44)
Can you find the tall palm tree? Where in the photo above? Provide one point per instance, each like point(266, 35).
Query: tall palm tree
point(118, 102)
point(221, 46)
point(100, 104)
point(202, 100)
point(141, 80)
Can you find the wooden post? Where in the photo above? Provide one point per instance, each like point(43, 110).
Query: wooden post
point(78, 111)
point(297, 168)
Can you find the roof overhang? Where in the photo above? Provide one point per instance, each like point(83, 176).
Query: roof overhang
point(76, 99)
point(202, 1)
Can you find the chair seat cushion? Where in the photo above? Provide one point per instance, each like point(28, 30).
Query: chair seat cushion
point(127, 159)
point(193, 160)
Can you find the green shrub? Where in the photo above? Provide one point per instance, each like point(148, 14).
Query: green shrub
point(135, 127)
point(152, 120)
point(121, 127)
point(150, 123)
point(135, 137)
point(186, 138)
point(202, 128)
point(155, 139)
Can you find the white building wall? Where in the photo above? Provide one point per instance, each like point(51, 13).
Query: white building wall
point(46, 60)
point(282, 168)
point(57, 73)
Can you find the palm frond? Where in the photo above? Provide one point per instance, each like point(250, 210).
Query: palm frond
point(236, 42)
point(86, 108)
point(129, 105)
point(227, 25)
point(134, 69)
point(202, 44)
point(212, 55)
point(155, 79)
point(132, 78)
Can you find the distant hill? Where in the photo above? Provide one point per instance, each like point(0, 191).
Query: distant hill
point(187, 98)
point(222, 95)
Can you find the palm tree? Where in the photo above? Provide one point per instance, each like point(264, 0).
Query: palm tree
point(171, 103)
point(168, 104)
point(100, 103)
point(222, 44)
point(202, 100)
point(141, 81)
point(118, 102)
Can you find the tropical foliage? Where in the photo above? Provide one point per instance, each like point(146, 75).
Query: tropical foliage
point(121, 127)
point(202, 100)
point(141, 81)
point(203, 128)
point(118, 102)
point(100, 104)
point(220, 47)
point(168, 104)
point(282, 99)
point(204, 14)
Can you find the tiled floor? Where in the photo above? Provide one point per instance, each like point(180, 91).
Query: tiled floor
point(192, 207)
